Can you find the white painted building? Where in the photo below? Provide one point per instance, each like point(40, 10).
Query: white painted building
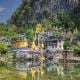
point(51, 41)
point(56, 43)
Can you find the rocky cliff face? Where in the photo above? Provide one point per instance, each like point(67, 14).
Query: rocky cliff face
point(37, 10)
point(50, 8)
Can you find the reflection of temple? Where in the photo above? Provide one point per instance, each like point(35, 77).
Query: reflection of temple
point(19, 42)
point(30, 70)
point(46, 70)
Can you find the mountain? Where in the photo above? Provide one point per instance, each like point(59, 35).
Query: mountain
point(32, 11)
point(52, 7)
point(76, 15)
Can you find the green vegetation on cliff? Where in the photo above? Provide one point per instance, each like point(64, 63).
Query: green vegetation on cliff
point(27, 16)
point(7, 30)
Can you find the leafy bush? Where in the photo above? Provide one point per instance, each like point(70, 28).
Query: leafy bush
point(3, 48)
point(67, 45)
point(77, 48)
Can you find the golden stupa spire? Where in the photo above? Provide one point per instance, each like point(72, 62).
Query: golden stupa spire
point(33, 45)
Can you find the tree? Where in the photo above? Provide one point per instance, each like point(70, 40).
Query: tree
point(67, 45)
point(3, 29)
point(11, 30)
point(75, 15)
point(38, 28)
point(3, 48)
point(8, 30)
point(66, 21)
point(46, 22)
point(77, 48)
point(30, 33)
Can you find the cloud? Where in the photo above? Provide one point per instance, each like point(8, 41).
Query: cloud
point(2, 9)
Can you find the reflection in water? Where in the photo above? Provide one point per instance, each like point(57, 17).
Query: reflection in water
point(44, 70)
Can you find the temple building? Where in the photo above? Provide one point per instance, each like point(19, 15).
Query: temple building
point(52, 41)
point(19, 42)
point(56, 43)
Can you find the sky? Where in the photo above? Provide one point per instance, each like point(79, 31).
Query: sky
point(7, 7)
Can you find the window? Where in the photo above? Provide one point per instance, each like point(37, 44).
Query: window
point(56, 46)
point(60, 41)
point(59, 46)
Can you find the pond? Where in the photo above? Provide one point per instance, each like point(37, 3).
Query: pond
point(42, 70)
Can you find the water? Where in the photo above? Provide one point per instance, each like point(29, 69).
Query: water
point(44, 70)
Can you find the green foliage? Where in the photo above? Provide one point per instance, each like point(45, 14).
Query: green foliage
point(46, 22)
point(2, 30)
point(77, 48)
point(11, 30)
point(67, 45)
point(75, 15)
point(38, 28)
point(66, 22)
point(8, 30)
point(3, 48)
point(22, 15)
point(29, 33)
point(25, 18)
